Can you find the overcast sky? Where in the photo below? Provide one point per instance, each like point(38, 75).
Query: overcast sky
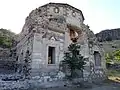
point(99, 14)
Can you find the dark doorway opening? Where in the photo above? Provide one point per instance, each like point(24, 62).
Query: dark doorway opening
point(51, 55)
point(97, 58)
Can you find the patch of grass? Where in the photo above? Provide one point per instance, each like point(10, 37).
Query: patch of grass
point(112, 72)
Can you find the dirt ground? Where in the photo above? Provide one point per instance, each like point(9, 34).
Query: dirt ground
point(108, 85)
point(95, 88)
point(103, 87)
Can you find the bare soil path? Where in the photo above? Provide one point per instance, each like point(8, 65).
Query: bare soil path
point(109, 85)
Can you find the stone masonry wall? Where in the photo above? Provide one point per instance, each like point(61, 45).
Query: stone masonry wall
point(50, 25)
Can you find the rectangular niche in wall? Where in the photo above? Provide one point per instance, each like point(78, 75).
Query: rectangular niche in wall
point(51, 55)
point(97, 58)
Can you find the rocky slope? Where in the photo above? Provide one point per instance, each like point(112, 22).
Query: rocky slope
point(108, 35)
point(109, 39)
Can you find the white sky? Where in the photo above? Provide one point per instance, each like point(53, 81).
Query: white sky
point(14, 12)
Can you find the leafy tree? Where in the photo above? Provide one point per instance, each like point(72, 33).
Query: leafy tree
point(109, 57)
point(113, 57)
point(117, 55)
point(73, 59)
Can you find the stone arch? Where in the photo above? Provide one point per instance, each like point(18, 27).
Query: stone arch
point(97, 58)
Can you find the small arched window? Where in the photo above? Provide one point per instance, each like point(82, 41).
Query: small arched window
point(56, 10)
point(73, 14)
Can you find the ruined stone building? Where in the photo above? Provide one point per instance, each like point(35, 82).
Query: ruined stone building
point(46, 34)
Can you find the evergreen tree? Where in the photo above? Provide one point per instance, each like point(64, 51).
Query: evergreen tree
point(73, 59)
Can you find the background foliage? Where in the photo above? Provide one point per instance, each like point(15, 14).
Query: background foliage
point(6, 37)
point(113, 57)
